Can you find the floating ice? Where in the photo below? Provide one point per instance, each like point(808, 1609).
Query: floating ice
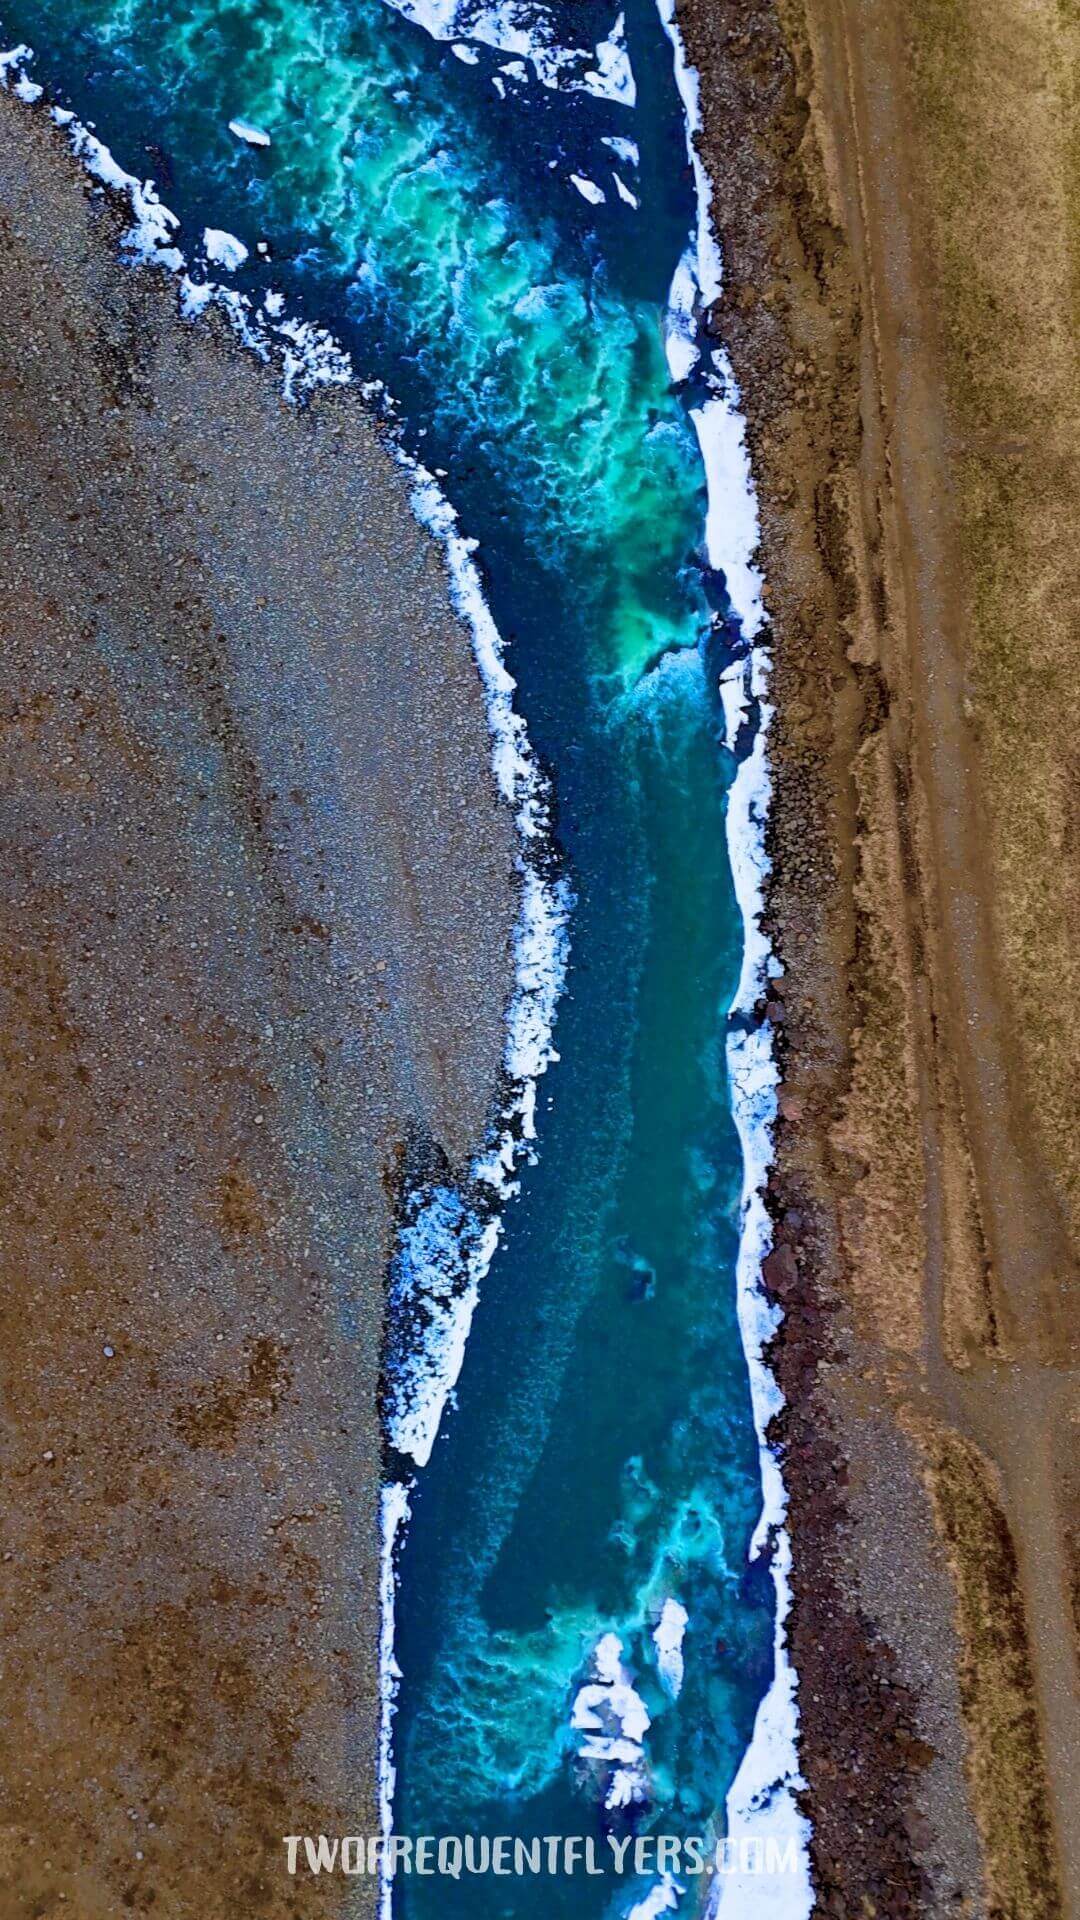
point(613, 77)
point(588, 189)
point(467, 55)
point(668, 1641)
point(613, 1718)
point(224, 249)
point(524, 28)
point(624, 192)
point(663, 1897)
point(251, 135)
point(681, 320)
point(622, 148)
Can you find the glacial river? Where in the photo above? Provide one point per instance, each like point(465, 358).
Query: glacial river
point(493, 231)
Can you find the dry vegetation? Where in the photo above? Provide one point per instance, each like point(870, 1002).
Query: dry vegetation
point(1007, 1764)
point(994, 96)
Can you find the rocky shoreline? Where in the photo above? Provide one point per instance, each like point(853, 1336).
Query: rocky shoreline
point(935, 1730)
point(256, 957)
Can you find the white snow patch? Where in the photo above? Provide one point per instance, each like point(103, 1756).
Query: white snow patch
point(732, 531)
point(394, 1516)
point(11, 74)
point(447, 1245)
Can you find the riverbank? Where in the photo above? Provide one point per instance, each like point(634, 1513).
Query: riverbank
point(893, 194)
point(256, 954)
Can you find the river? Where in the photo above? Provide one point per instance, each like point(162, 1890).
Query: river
point(493, 230)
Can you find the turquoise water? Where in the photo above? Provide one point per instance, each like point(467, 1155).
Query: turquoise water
point(600, 1458)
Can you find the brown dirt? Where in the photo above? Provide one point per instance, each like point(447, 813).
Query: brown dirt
point(895, 193)
point(253, 960)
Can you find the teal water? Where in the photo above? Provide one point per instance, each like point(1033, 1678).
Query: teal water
point(600, 1456)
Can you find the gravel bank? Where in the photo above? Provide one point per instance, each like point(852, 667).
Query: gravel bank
point(254, 952)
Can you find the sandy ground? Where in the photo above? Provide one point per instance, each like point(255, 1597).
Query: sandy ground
point(254, 957)
point(896, 194)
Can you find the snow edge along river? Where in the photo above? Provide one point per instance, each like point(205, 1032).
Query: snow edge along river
point(761, 1803)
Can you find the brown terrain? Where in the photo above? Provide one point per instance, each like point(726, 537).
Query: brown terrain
point(254, 957)
point(896, 192)
point(243, 866)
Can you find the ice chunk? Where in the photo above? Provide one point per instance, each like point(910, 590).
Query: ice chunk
point(668, 1639)
point(224, 249)
point(252, 136)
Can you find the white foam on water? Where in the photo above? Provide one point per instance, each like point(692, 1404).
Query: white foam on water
point(762, 1799)
point(668, 1636)
point(524, 28)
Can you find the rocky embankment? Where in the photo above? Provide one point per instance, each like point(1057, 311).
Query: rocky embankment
point(895, 194)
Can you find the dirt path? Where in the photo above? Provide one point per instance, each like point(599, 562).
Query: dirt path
point(1018, 1413)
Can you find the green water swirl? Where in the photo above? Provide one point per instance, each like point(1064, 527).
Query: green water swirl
point(382, 184)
